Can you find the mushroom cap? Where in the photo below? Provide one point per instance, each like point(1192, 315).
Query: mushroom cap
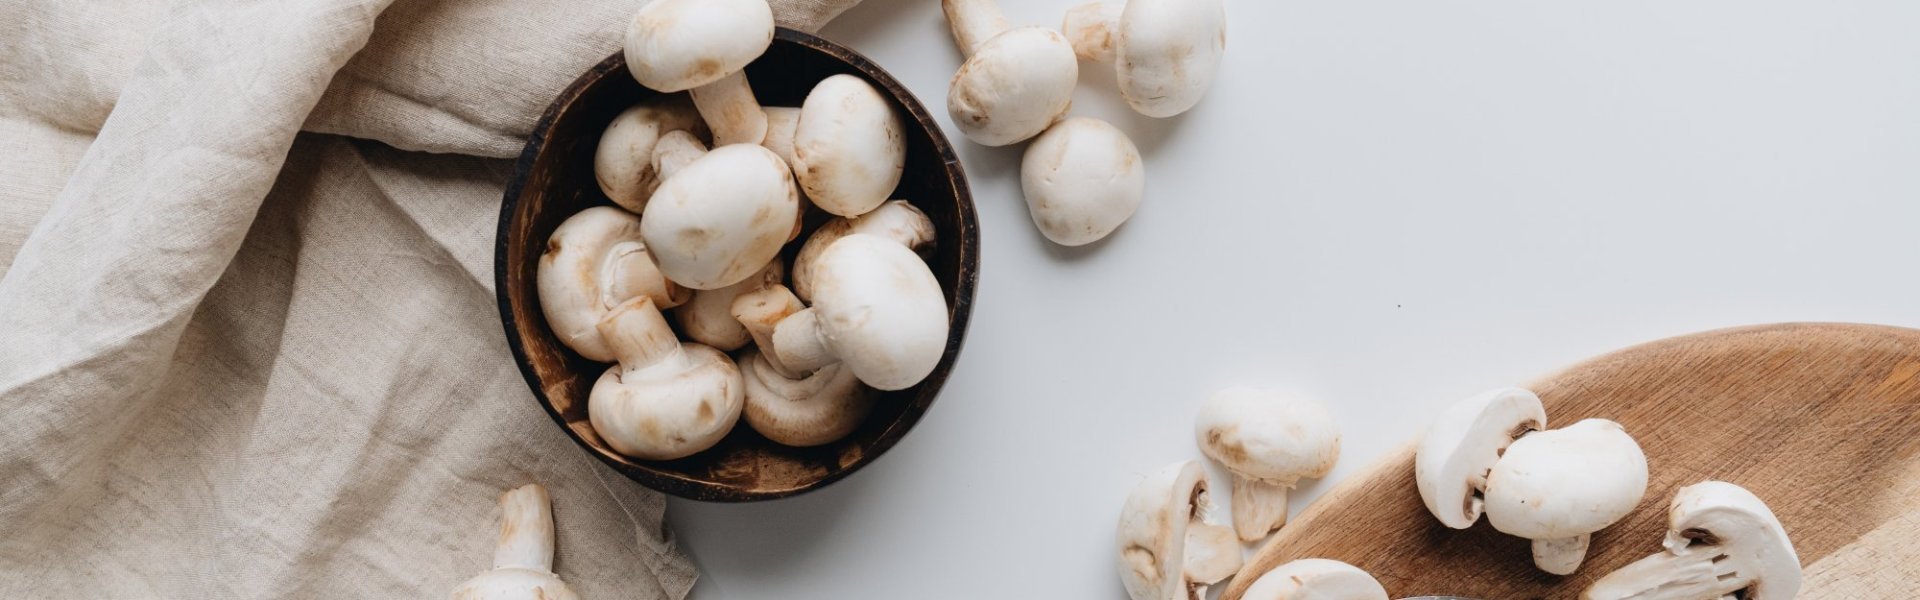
point(514, 584)
point(824, 406)
point(594, 261)
point(722, 217)
point(1566, 482)
point(707, 317)
point(896, 220)
point(670, 410)
point(1167, 51)
point(1316, 579)
point(1721, 541)
point(1452, 460)
point(848, 149)
point(1268, 435)
point(1082, 179)
point(623, 161)
point(1014, 86)
point(675, 45)
point(880, 310)
point(1167, 551)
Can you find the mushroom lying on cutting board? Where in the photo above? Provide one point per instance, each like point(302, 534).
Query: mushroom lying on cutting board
point(1167, 549)
point(1165, 52)
point(1082, 179)
point(1722, 542)
point(1015, 82)
point(1316, 579)
point(666, 399)
point(1450, 467)
point(722, 216)
point(523, 560)
point(623, 161)
point(1270, 440)
point(594, 261)
point(701, 46)
point(876, 307)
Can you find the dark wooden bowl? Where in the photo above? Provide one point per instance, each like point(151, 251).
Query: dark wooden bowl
point(554, 179)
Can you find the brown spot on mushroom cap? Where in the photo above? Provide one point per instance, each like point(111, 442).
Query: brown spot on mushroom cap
point(1225, 442)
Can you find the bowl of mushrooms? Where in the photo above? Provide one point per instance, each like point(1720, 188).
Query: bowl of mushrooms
point(735, 262)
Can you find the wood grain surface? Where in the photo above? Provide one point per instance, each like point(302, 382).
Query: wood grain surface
point(1822, 421)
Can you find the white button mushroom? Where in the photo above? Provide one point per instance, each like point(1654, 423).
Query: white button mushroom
point(666, 399)
point(523, 560)
point(1450, 466)
point(811, 410)
point(707, 318)
point(896, 220)
point(1315, 579)
point(721, 217)
point(1082, 179)
point(1015, 83)
point(1557, 487)
point(1722, 542)
point(702, 45)
point(594, 261)
point(1270, 440)
point(623, 161)
point(876, 307)
point(848, 147)
point(1167, 549)
point(760, 312)
point(1165, 52)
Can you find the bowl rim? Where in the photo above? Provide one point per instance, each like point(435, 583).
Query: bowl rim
point(966, 280)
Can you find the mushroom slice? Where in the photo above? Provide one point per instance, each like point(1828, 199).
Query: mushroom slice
point(811, 410)
point(708, 317)
point(1557, 487)
point(594, 261)
point(1167, 549)
point(876, 307)
point(1082, 179)
point(1270, 440)
point(523, 560)
point(623, 161)
point(1722, 542)
point(666, 399)
point(1315, 579)
point(896, 220)
point(1451, 464)
point(1015, 83)
point(1164, 52)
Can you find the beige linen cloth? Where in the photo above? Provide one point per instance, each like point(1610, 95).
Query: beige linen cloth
point(238, 360)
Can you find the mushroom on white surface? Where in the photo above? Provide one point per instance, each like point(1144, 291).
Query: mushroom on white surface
point(1269, 440)
point(1451, 463)
point(1164, 52)
point(623, 161)
point(1315, 579)
point(594, 261)
point(848, 146)
point(1082, 179)
point(523, 560)
point(1722, 542)
point(810, 410)
point(1014, 83)
point(717, 220)
point(707, 318)
point(1167, 549)
point(896, 220)
point(1557, 487)
point(876, 307)
point(666, 399)
point(701, 46)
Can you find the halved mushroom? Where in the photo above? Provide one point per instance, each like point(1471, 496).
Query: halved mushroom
point(1270, 440)
point(666, 399)
point(708, 317)
point(1015, 83)
point(1167, 549)
point(1451, 464)
point(1315, 579)
point(1722, 542)
point(623, 162)
point(848, 146)
point(1557, 487)
point(1165, 52)
point(594, 261)
point(876, 307)
point(811, 410)
point(722, 216)
point(1082, 179)
point(701, 46)
point(523, 560)
point(896, 220)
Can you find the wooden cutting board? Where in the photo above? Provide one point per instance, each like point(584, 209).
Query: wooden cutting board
point(1820, 420)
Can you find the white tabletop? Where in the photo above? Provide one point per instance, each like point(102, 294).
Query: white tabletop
point(1387, 205)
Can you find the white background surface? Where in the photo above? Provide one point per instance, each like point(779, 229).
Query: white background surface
point(1387, 205)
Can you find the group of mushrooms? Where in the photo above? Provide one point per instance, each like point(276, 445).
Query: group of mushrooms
point(1082, 177)
point(700, 233)
point(1491, 454)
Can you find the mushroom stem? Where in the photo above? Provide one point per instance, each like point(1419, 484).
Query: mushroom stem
point(1259, 507)
point(974, 22)
point(1089, 27)
point(630, 272)
point(731, 111)
point(782, 123)
point(639, 336)
point(526, 530)
point(675, 150)
point(1560, 556)
point(1669, 576)
point(797, 343)
point(1211, 552)
point(760, 311)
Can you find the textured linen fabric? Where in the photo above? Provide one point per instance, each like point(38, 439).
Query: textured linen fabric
point(239, 360)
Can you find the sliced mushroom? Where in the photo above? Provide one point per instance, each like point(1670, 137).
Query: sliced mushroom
point(701, 46)
point(1165, 52)
point(1270, 440)
point(848, 146)
point(594, 261)
point(666, 399)
point(1722, 542)
point(811, 410)
point(1557, 487)
point(708, 317)
point(523, 560)
point(623, 161)
point(1451, 464)
point(876, 307)
point(1015, 82)
point(722, 216)
point(1082, 179)
point(1315, 579)
point(896, 220)
point(1167, 549)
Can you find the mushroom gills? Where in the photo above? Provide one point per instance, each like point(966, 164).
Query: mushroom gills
point(1722, 542)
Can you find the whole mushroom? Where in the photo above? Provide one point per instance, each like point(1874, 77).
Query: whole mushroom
point(1315, 579)
point(1164, 52)
point(1722, 542)
point(896, 220)
point(1082, 179)
point(623, 161)
point(1167, 549)
point(707, 318)
point(1270, 440)
point(1014, 83)
point(848, 146)
point(702, 46)
point(594, 261)
point(810, 410)
point(666, 399)
point(876, 307)
point(1557, 487)
point(722, 216)
point(523, 560)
